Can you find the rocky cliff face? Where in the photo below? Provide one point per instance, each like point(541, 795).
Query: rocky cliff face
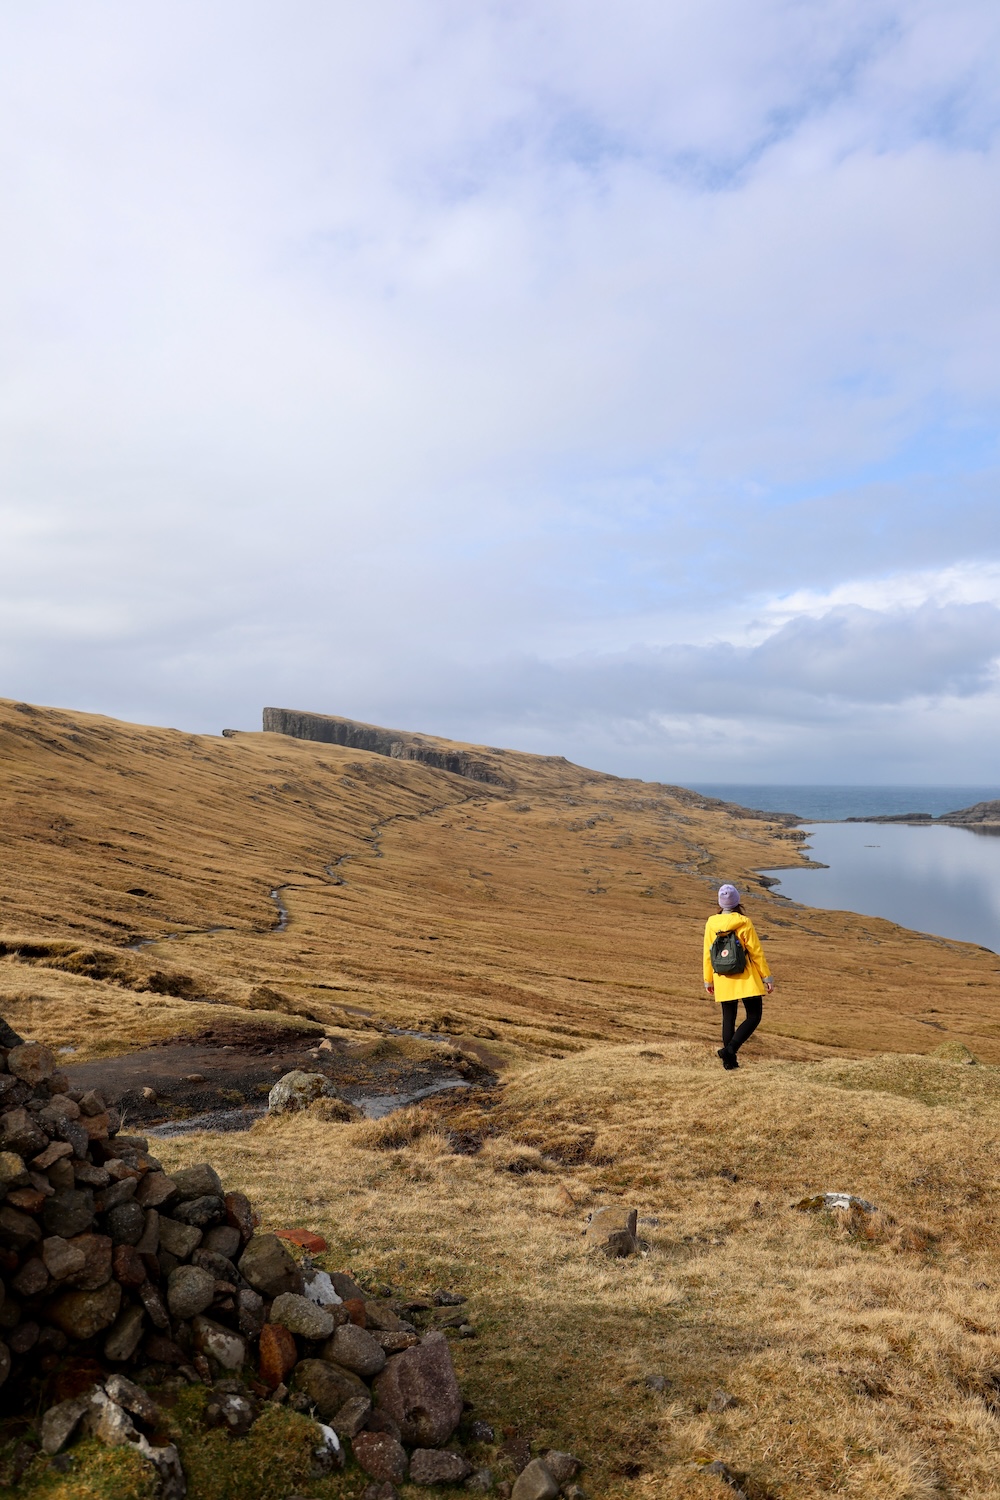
point(397, 744)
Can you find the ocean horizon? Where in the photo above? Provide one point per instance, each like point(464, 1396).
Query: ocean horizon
point(832, 803)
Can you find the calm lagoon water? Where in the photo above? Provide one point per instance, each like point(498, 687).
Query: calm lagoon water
point(940, 880)
point(836, 802)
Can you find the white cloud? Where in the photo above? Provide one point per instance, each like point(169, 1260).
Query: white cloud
point(349, 350)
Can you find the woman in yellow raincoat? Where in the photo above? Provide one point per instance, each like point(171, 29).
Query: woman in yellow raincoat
point(729, 989)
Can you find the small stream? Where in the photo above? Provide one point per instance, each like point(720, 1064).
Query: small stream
point(372, 1106)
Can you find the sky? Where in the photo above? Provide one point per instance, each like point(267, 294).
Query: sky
point(618, 382)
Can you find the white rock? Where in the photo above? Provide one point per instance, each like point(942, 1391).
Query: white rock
point(329, 1455)
point(319, 1289)
point(848, 1200)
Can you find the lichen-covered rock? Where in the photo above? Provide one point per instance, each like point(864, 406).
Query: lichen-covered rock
point(69, 1212)
point(269, 1268)
point(562, 1466)
point(438, 1466)
point(327, 1386)
point(123, 1340)
point(126, 1222)
point(179, 1239)
point(189, 1291)
point(300, 1315)
point(220, 1344)
point(535, 1483)
point(32, 1063)
point(352, 1416)
point(295, 1091)
point(61, 1421)
point(419, 1391)
point(381, 1456)
point(81, 1314)
point(201, 1181)
point(13, 1172)
point(202, 1212)
point(356, 1350)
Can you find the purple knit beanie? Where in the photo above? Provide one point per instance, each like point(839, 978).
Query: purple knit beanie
point(729, 897)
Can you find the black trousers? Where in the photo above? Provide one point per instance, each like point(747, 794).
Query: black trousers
point(733, 1037)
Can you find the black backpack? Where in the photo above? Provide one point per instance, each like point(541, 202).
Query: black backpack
point(727, 954)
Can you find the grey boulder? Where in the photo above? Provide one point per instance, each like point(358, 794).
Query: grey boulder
point(355, 1349)
point(269, 1268)
point(303, 1317)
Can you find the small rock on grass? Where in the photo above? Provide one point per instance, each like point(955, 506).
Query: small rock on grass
point(562, 1466)
point(725, 1473)
point(381, 1456)
point(438, 1466)
point(720, 1401)
point(385, 1491)
point(535, 1483)
point(61, 1421)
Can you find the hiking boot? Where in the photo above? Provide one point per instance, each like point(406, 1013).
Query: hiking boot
point(728, 1059)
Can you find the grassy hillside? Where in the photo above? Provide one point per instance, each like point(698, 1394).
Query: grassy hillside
point(553, 926)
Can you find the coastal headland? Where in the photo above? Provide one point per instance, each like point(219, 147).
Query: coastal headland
point(193, 913)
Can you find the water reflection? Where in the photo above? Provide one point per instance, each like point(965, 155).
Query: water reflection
point(934, 879)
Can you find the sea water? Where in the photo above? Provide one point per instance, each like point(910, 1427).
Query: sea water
point(837, 802)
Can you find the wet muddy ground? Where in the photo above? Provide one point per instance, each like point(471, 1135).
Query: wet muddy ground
point(219, 1079)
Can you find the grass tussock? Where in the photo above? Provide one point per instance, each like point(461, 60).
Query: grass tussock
point(402, 1128)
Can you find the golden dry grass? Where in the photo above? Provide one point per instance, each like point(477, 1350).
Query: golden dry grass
point(864, 1355)
point(558, 926)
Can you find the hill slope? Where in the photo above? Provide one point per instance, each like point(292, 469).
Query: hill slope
point(560, 908)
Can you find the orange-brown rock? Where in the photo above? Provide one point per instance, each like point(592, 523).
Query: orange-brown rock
point(314, 1243)
point(278, 1354)
point(127, 1265)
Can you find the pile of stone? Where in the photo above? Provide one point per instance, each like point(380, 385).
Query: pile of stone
point(119, 1277)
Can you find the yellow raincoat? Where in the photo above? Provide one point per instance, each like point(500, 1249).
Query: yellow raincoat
point(751, 981)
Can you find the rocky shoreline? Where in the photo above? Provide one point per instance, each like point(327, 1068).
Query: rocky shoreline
point(982, 817)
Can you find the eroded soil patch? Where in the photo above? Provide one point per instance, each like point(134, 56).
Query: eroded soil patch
point(220, 1078)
